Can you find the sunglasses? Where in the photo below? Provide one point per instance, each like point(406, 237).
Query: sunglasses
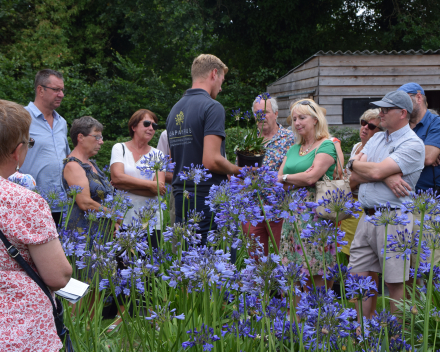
point(148, 123)
point(30, 144)
point(371, 126)
point(386, 110)
point(306, 102)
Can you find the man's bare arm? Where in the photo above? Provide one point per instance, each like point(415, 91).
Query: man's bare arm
point(212, 158)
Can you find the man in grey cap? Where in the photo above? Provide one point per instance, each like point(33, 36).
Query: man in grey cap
point(397, 150)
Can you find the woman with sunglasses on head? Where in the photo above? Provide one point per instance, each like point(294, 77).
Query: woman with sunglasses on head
point(26, 319)
point(313, 156)
point(125, 159)
point(79, 170)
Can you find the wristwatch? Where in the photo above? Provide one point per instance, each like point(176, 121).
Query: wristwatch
point(350, 164)
point(284, 177)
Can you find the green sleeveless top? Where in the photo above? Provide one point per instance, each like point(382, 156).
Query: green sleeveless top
point(296, 163)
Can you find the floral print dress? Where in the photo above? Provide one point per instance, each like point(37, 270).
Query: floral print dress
point(290, 247)
point(26, 318)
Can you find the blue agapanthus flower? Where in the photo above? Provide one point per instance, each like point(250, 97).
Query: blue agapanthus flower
point(155, 161)
point(360, 287)
point(205, 337)
point(196, 174)
point(339, 202)
point(386, 215)
point(404, 243)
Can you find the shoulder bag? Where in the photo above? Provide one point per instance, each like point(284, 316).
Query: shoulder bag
point(325, 187)
point(58, 310)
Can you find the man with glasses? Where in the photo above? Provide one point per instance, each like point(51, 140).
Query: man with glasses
point(397, 150)
point(49, 130)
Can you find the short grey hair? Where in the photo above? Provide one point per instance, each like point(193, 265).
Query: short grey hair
point(42, 77)
point(84, 125)
point(273, 103)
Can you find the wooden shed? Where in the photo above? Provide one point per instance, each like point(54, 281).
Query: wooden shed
point(345, 82)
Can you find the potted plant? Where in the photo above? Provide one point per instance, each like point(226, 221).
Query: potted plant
point(251, 149)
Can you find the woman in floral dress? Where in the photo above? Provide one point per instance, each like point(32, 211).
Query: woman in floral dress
point(312, 157)
point(26, 318)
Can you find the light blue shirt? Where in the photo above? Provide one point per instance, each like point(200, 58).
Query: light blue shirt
point(45, 160)
point(407, 150)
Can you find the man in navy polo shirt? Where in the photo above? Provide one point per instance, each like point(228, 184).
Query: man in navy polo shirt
point(196, 135)
point(427, 126)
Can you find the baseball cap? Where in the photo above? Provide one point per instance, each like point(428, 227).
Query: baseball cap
point(412, 88)
point(393, 99)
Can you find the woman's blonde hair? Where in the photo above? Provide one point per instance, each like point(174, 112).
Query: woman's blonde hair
point(314, 110)
point(370, 114)
point(14, 127)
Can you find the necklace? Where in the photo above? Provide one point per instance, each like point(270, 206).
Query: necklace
point(304, 152)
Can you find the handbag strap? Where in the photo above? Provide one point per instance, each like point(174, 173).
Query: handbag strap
point(337, 157)
point(15, 254)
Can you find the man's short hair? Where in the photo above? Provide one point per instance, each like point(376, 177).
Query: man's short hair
point(15, 122)
point(205, 63)
point(273, 103)
point(137, 117)
point(42, 77)
point(84, 125)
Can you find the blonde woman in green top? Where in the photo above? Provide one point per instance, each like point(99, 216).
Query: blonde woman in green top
point(305, 163)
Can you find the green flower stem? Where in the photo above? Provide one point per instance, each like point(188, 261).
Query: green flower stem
point(341, 279)
point(362, 322)
point(325, 268)
point(69, 212)
point(404, 297)
point(268, 225)
point(294, 318)
point(305, 256)
point(212, 219)
point(435, 335)
point(159, 198)
point(416, 269)
point(387, 344)
point(195, 197)
point(428, 305)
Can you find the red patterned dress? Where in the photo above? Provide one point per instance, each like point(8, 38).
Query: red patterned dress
point(26, 319)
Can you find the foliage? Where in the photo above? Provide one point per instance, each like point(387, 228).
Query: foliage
point(348, 137)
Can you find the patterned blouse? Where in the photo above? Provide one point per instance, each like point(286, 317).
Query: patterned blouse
point(100, 187)
point(277, 147)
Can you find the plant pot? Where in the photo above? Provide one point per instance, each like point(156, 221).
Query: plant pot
point(249, 160)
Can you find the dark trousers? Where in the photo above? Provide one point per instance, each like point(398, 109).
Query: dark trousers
point(56, 217)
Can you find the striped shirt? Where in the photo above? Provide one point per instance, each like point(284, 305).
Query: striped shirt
point(45, 160)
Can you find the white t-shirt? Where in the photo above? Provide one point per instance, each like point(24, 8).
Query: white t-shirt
point(130, 169)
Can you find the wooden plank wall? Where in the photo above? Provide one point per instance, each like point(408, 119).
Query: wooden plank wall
point(355, 76)
point(303, 79)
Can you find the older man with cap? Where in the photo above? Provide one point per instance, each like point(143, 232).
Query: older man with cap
point(398, 150)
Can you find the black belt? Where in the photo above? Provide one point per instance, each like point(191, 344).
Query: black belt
point(371, 211)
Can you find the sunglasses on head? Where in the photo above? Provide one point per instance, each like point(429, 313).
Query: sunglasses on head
point(148, 123)
point(371, 126)
point(306, 102)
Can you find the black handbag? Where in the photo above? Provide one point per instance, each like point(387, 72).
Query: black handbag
point(58, 310)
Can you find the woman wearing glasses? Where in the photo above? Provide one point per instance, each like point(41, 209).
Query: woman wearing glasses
point(127, 156)
point(313, 156)
point(79, 170)
point(26, 319)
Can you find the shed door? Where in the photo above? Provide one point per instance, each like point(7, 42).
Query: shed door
point(433, 98)
point(353, 108)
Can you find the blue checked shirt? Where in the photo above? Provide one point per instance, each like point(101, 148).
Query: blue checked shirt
point(407, 150)
point(45, 160)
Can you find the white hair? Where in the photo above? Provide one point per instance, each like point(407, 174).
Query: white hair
point(273, 103)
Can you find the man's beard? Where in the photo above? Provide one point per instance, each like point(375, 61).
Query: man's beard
point(414, 114)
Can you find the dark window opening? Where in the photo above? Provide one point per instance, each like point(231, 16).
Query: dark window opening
point(433, 98)
point(353, 108)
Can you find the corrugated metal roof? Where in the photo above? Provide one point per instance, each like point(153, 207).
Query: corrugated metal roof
point(365, 52)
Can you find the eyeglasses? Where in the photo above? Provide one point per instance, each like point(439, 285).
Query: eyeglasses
point(56, 90)
point(386, 110)
point(306, 102)
point(30, 144)
point(98, 137)
point(148, 123)
point(371, 126)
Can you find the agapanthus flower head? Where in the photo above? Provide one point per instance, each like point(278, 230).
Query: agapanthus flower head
point(263, 275)
point(291, 204)
point(196, 174)
point(180, 232)
point(294, 275)
point(426, 201)
point(154, 162)
point(148, 213)
point(322, 234)
point(360, 287)
point(244, 328)
point(218, 195)
point(253, 245)
point(259, 116)
point(54, 198)
point(128, 242)
point(73, 191)
point(163, 314)
point(205, 337)
point(237, 114)
point(247, 116)
point(386, 215)
point(263, 96)
point(404, 243)
point(338, 202)
point(253, 180)
point(100, 259)
point(334, 273)
point(311, 302)
point(73, 242)
point(201, 266)
point(226, 234)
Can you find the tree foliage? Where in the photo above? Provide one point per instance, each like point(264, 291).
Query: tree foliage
point(121, 56)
